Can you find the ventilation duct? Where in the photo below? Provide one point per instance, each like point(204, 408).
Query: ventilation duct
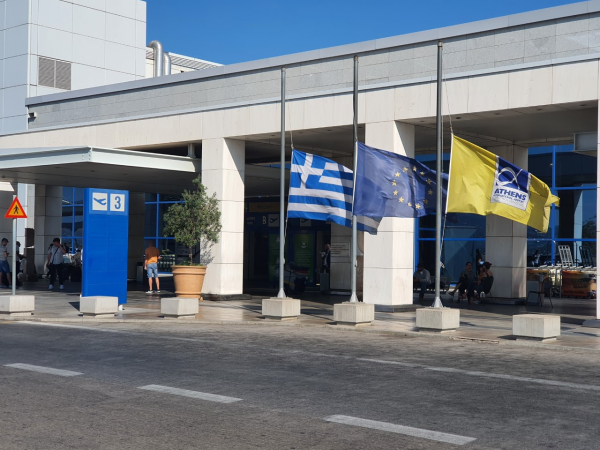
point(159, 58)
point(167, 65)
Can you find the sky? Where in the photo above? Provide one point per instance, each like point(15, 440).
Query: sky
point(231, 31)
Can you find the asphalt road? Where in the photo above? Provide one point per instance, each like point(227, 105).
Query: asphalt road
point(186, 386)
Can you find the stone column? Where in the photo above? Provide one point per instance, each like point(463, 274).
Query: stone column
point(47, 222)
point(506, 241)
point(223, 162)
point(388, 260)
point(6, 197)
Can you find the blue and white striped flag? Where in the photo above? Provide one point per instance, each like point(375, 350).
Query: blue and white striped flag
point(321, 189)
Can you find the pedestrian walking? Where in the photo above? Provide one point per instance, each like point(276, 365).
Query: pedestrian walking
point(4, 267)
point(55, 263)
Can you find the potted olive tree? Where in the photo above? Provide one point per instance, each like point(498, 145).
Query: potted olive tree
point(196, 221)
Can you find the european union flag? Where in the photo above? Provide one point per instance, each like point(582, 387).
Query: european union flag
point(392, 185)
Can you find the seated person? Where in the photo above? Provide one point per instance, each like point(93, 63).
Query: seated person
point(483, 273)
point(466, 279)
point(423, 279)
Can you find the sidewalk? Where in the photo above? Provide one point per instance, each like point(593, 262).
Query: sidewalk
point(489, 323)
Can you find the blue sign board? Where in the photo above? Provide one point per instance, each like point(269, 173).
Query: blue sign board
point(105, 243)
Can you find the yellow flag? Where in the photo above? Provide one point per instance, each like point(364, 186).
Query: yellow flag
point(483, 183)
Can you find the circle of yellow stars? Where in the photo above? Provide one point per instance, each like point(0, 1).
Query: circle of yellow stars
point(401, 199)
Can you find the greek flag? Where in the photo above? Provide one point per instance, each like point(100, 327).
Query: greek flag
point(321, 189)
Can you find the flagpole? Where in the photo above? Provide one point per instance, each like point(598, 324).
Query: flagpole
point(281, 293)
point(438, 218)
point(353, 296)
point(14, 258)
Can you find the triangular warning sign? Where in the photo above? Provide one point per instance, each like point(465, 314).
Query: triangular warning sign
point(15, 211)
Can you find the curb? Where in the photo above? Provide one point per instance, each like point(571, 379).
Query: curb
point(328, 326)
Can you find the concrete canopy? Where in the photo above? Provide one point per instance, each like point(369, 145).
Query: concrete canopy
point(98, 167)
point(110, 168)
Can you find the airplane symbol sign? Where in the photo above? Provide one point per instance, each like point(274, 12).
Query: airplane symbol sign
point(100, 201)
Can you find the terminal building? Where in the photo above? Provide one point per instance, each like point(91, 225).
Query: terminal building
point(86, 103)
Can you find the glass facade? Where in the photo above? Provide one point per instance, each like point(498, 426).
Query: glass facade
point(570, 175)
point(155, 207)
point(72, 219)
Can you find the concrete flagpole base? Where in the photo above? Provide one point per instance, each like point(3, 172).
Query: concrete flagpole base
point(438, 320)
point(99, 307)
point(354, 313)
point(276, 308)
point(17, 305)
point(179, 307)
point(537, 327)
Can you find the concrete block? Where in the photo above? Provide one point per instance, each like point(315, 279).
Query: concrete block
point(354, 314)
point(17, 305)
point(281, 308)
point(439, 320)
point(179, 308)
point(538, 327)
point(98, 307)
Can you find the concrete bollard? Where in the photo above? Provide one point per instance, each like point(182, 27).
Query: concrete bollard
point(17, 305)
point(354, 313)
point(179, 307)
point(438, 320)
point(98, 307)
point(536, 327)
point(280, 308)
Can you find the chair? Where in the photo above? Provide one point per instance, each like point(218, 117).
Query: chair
point(566, 257)
point(486, 288)
point(545, 291)
point(587, 259)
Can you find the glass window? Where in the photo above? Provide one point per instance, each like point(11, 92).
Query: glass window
point(67, 194)
point(455, 254)
point(169, 198)
point(463, 226)
point(576, 217)
point(168, 249)
point(67, 221)
point(151, 197)
point(78, 196)
point(540, 164)
point(575, 169)
point(162, 209)
point(150, 220)
point(78, 222)
point(545, 252)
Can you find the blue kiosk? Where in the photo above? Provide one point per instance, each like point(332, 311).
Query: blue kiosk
point(105, 243)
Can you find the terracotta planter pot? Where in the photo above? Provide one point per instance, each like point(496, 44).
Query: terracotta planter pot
point(189, 280)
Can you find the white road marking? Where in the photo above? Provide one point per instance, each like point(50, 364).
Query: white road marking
point(400, 429)
point(587, 387)
point(76, 327)
point(41, 369)
point(473, 373)
point(190, 394)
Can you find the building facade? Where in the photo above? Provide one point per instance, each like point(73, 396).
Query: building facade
point(522, 86)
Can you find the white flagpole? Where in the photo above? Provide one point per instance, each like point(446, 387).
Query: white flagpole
point(438, 218)
point(353, 296)
point(281, 293)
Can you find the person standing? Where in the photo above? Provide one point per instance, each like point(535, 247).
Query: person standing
point(151, 257)
point(4, 267)
point(55, 263)
point(423, 278)
point(535, 261)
